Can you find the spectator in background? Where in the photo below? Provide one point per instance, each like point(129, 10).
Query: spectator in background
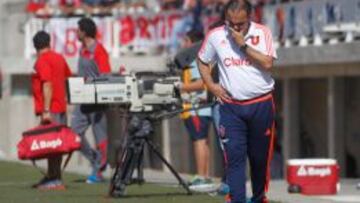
point(106, 6)
point(292, 23)
point(92, 3)
point(190, 21)
point(197, 122)
point(208, 7)
point(69, 7)
point(51, 72)
point(167, 5)
point(109, 3)
point(196, 11)
point(41, 7)
point(34, 6)
point(93, 62)
point(154, 5)
point(220, 5)
point(211, 12)
point(280, 18)
point(134, 4)
point(258, 10)
point(91, 6)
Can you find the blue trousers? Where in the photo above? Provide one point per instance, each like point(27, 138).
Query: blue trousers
point(247, 131)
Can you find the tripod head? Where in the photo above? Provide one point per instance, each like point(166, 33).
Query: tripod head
point(140, 127)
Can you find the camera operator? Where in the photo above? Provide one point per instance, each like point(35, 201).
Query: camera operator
point(93, 62)
point(197, 122)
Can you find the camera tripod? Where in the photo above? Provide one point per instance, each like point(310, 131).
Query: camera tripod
point(139, 130)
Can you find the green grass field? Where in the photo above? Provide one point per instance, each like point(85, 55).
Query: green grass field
point(16, 179)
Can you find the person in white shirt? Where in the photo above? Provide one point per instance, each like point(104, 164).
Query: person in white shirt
point(244, 52)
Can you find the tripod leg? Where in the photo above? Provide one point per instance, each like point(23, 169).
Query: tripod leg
point(123, 173)
point(113, 180)
point(173, 171)
point(117, 185)
point(136, 161)
point(140, 166)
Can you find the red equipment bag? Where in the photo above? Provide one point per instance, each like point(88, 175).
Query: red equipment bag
point(313, 176)
point(47, 140)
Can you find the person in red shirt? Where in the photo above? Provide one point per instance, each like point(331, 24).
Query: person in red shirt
point(93, 62)
point(34, 5)
point(51, 72)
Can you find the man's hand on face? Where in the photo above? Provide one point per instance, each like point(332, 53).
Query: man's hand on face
point(219, 92)
point(238, 36)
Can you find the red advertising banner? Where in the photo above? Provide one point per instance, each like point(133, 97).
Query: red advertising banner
point(139, 33)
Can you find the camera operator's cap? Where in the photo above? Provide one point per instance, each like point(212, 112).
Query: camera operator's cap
point(186, 56)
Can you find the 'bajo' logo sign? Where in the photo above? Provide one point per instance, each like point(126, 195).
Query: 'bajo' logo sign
point(37, 145)
point(314, 171)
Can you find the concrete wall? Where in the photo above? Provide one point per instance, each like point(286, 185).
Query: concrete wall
point(12, 19)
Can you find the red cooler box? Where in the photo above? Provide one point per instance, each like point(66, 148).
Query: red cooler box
point(313, 176)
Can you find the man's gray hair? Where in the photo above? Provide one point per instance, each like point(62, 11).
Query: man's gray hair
point(236, 5)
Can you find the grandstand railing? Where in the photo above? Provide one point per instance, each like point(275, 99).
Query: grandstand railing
point(304, 23)
point(314, 22)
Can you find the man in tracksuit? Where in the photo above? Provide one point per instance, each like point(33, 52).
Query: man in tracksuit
point(93, 62)
point(244, 52)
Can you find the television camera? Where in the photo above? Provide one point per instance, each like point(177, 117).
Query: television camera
point(143, 92)
point(150, 97)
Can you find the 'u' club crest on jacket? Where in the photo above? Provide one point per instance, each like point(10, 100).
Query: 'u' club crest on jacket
point(255, 40)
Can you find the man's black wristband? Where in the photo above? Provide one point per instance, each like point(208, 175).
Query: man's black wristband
point(244, 47)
